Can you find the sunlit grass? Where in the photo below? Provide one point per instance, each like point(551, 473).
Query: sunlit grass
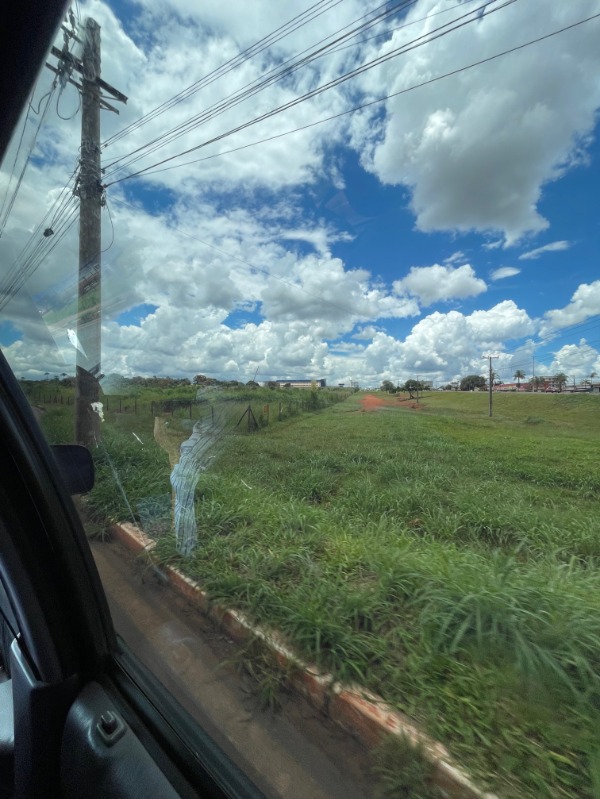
point(446, 560)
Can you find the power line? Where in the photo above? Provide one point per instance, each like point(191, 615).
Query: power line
point(39, 243)
point(253, 87)
point(214, 111)
point(332, 117)
point(74, 114)
point(7, 208)
point(560, 335)
point(233, 63)
point(62, 76)
point(258, 47)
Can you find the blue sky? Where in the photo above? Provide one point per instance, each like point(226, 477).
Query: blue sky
point(412, 236)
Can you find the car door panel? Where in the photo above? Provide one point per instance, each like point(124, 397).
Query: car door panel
point(101, 756)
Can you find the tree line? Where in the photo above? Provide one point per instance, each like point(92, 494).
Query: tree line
point(478, 382)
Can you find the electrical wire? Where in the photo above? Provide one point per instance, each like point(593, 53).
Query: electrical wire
point(7, 207)
point(74, 114)
point(258, 47)
point(362, 106)
point(6, 297)
point(38, 243)
point(37, 256)
point(591, 323)
point(407, 47)
point(388, 31)
point(278, 74)
point(16, 158)
point(267, 79)
point(112, 241)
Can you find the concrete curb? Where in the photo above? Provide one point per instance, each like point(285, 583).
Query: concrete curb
point(356, 710)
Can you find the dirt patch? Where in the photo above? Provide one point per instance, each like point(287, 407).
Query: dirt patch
point(372, 403)
point(409, 403)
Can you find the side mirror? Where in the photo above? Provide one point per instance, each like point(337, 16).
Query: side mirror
point(76, 466)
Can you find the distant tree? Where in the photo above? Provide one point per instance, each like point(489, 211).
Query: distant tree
point(272, 384)
point(519, 375)
point(536, 383)
point(448, 387)
point(561, 380)
point(471, 382)
point(413, 385)
point(252, 384)
point(387, 385)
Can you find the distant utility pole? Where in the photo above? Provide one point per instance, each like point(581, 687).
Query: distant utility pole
point(491, 380)
point(91, 200)
point(532, 372)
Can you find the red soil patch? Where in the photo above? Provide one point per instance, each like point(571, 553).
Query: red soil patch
point(371, 403)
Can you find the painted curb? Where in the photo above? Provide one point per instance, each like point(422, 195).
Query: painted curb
point(354, 709)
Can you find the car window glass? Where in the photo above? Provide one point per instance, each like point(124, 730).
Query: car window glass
point(316, 284)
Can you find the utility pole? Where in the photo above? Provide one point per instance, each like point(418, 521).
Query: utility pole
point(89, 302)
point(489, 357)
point(91, 200)
point(532, 372)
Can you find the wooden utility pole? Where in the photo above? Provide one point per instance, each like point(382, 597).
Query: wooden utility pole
point(91, 199)
point(491, 381)
point(89, 302)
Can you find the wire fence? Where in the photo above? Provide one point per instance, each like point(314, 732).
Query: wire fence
point(242, 415)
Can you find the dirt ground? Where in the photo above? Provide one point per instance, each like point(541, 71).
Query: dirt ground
point(372, 402)
point(294, 753)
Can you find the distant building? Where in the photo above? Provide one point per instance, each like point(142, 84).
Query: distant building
point(322, 383)
point(512, 387)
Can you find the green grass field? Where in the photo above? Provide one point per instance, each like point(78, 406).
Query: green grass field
point(446, 560)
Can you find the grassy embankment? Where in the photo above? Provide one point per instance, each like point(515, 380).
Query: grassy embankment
point(443, 559)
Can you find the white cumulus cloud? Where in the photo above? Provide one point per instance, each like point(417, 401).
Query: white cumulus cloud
point(585, 302)
point(476, 149)
point(438, 283)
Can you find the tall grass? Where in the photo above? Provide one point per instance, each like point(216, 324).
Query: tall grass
point(443, 559)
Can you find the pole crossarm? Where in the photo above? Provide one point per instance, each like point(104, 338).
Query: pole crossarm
point(78, 65)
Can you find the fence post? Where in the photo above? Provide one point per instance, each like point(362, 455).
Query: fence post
point(280, 409)
point(135, 405)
